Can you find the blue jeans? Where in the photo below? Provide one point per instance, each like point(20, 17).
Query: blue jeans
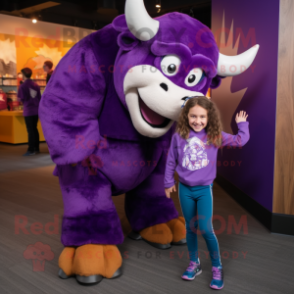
point(199, 198)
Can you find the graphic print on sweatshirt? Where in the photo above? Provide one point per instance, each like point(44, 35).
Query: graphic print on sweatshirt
point(33, 93)
point(195, 156)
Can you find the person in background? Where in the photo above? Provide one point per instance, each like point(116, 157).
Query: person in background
point(30, 95)
point(48, 65)
point(3, 100)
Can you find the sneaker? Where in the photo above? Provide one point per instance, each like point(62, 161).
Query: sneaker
point(29, 153)
point(193, 270)
point(37, 151)
point(217, 281)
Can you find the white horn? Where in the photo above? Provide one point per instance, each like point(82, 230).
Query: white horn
point(141, 25)
point(235, 65)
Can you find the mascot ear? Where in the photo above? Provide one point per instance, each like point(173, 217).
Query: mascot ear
point(216, 81)
point(127, 41)
point(120, 24)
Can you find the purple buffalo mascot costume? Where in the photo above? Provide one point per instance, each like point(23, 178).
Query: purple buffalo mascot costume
point(108, 114)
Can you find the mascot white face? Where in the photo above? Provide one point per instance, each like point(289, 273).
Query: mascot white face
point(153, 100)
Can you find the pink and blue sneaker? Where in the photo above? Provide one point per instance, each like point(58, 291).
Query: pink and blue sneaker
point(217, 281)
point(193, 270)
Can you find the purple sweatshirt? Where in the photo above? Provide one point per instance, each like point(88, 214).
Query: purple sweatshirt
point(194, 160)
point(30, 95)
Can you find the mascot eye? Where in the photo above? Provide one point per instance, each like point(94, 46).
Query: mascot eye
point(194, 77)
point(171, 68)
point(170, 64)
point(191, 79)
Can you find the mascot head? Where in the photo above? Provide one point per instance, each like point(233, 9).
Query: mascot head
point(162, 61)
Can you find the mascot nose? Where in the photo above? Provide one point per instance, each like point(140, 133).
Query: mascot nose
point(164, 86)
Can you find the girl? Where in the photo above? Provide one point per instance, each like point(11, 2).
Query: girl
point(193, 154)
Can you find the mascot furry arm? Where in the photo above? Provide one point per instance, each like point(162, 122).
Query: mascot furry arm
point(124, 86)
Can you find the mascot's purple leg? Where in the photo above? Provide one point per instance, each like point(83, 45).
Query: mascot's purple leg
point(90, 216)
point(147, 204)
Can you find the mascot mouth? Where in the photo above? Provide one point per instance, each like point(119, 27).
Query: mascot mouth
point(151, 117)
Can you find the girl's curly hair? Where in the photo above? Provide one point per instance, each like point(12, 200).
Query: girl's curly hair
point(214, 126)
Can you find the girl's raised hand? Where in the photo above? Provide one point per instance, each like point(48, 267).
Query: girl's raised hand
point(169, 190)
point(241, 116)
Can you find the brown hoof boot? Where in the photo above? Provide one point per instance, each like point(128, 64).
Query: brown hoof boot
point(65, 262)
point(177, 226)
point(159, 236)
point(93, 262)
point(112, 261)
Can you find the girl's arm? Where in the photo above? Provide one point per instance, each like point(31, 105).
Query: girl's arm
point(171, 163)
point(243, 132)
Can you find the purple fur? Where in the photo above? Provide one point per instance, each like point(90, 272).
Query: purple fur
point(147, 205)
point(92, 229)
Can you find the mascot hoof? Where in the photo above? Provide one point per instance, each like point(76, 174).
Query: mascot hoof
point(137, 236)
point(117, 274)
point(65, 263)
point(177, 226)
point(158, 236)
point(62, 274)
point(181, 242)
point(162, 236)
point(89, 280)
point(95, 279)
point(90, 263)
